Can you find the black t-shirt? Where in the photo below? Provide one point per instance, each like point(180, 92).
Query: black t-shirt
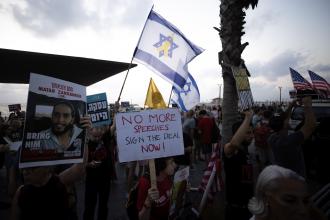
point(99, 151)
point(46, 202)
point(185, 158)
point(239, 178)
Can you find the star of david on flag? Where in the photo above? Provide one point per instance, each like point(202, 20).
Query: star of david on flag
point(165, 50)
point(187, 97)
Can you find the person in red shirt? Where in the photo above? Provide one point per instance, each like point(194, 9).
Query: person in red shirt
point(205, 126)
point(154, 204)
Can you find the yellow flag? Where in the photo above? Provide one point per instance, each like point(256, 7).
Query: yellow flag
point(154, 98)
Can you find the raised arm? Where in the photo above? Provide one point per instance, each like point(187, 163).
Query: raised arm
point(287, 114)
point(310, 121)
point(239, 136)
point(76, 171)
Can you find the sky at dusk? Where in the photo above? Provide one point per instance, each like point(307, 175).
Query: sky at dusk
point(281, 34)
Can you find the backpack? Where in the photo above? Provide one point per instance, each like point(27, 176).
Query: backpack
point(261, 134)
point(131, 203)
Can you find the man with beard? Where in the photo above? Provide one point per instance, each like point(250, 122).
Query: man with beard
point(238, 170)
point(63, 135)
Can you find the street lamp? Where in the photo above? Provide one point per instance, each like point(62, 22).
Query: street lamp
point(220, 85)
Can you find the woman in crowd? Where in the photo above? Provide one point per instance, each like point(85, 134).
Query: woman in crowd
point(44, 194)
point(154, 204)
point(98, 174)
point(281, 194)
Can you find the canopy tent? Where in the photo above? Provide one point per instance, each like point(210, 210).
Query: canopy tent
point(16, 66)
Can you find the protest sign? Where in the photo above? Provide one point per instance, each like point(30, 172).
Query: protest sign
point(52, 133)
point(149, 134)
point(97, 109)
point(124, 104)
point(14, 108)
point(178, 191)
point(243, 88)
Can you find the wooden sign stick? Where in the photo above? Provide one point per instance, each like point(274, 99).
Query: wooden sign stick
point(152, 170)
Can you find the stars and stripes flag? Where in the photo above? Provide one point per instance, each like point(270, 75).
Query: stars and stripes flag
point(214, 165)
point(165, 50)
point(299, 82)
point(319, 83)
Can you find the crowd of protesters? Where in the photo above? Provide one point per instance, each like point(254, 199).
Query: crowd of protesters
point(268, 167)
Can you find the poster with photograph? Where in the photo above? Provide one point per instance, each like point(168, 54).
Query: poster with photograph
point(149, 134)
point(52, 133)
point(97, 109)
point(179, 188)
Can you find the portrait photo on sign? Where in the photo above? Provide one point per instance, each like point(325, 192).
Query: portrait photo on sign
point(52, 133)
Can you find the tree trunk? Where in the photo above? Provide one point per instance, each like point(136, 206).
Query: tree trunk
point(232, 21)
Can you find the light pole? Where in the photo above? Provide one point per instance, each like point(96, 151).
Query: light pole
point(220, 85)
point(280, 87)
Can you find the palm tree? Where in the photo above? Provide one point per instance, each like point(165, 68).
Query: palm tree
point(231, 22)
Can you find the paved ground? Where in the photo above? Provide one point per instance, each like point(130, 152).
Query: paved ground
point(117, 196)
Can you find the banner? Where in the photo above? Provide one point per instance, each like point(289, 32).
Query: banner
point(97, 109)
point(149, 134)
point(154, 98)
point(165, 50)
point(188, 97)
point(243, 87)
point(299, 82)
point(52, 133)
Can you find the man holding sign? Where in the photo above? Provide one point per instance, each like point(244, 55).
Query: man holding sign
point(63, 135)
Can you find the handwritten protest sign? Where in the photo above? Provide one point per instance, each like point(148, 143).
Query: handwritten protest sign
point(149, 134)
point(97, 109)
point(52, 133)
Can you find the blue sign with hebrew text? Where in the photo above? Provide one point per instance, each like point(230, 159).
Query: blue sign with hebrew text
point(97, 109)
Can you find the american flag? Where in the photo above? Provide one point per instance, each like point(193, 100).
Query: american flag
point(217, 183)
point(299, 82)
point(318, 82)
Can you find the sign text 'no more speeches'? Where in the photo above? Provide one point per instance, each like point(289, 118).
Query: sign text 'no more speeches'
point(149, 134)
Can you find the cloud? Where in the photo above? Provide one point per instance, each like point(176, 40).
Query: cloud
point(255, 25)
point(49, 18)
point(278, 66)
point(132, 14)
point(323, 70)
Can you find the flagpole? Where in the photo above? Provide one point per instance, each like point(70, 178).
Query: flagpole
point(133, 58)
point(169, 100)
point(122, 87)
point(207, 189)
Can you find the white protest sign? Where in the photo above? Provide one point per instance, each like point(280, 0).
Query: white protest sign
point(149, 134)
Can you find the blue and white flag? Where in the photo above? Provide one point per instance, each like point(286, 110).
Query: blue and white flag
point(165, 50)
point(187, 97)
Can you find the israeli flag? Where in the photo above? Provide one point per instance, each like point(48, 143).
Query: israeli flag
point(187, 97)
point(165, 50)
